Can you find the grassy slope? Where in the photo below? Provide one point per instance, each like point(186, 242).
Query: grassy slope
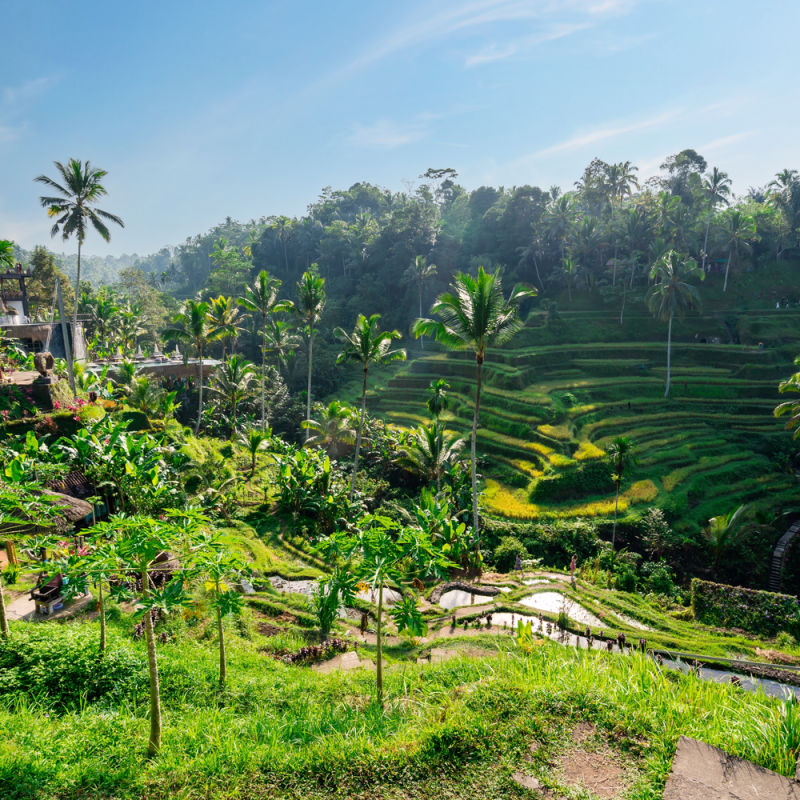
point(563, 391)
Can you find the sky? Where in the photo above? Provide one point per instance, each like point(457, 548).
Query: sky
point(200, 110)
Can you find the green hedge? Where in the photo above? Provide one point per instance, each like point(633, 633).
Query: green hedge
point(763, 613)
point(588, 478)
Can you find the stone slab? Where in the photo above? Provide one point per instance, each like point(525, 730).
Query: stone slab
point(703, 772)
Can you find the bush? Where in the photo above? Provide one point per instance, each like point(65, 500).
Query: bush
point(581, 480)
point(505, 554)
point(763, 613)
point(62, 666)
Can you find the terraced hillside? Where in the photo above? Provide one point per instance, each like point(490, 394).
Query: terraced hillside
point(568, 385)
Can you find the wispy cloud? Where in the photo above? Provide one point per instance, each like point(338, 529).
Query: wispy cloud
point(387, 134)
point(497, 52)
point(27, 91)
point(602, 133)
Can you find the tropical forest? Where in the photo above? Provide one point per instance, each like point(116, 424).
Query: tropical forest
point(450, 490)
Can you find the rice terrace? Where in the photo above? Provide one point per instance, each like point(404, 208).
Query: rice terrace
point(460, 459)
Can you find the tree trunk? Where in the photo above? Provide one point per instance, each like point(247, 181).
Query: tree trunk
point(669, 353)
point(101, 603)
point(616, 508)
point(358, 434)
point(75, 307)
point(263, 369)
point(727, 269)
point(199, 388)
point(308, 389)
point(474, 465)
point(421, 338)
point(705, 241)
point(223, 662)
point(154, 744)
point(380, 645)
point(4, 632)
point(614, 273)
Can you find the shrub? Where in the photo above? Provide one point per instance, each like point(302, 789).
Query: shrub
point(505, 554)
point(586, 478)
point(63, 666)
point(764, 613)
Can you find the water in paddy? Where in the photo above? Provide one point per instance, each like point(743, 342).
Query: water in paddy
point(456, 598)
point(555, 603)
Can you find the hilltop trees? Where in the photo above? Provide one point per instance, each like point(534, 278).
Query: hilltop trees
point(672, 295)
point(74, 210)
point(474, 316)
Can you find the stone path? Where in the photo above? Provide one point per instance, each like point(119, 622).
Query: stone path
point(702, 772)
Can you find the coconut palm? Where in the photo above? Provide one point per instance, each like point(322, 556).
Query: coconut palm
point(672, 294)
point(420, 271)
point(255, 441)
point(367, 345)
point(437, 401)
point(724, 531)
point(260, 299)
point(309, 308)
point(717, 188)
point(620, 454)
point(738, 230)
point(334, 428)
point(75, 210)
point(281, 340)
point(474, 316)
point(225, 319)
point(784, 194)
point(429, 450)
point(232, 383)
point(192, 324)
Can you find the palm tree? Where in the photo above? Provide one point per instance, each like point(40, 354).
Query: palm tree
point(419, 272)
point(620, 453)
point(739, 230)
point(224, 315)
point(281, 339)
point(672, 293)
point(367, 345)
point(260, 298)
point(784, 194)
point(254, 442)
point(717, 187)
point(309, 308)
point(7, 259)
point(193, 325)
point(75, 210)
point(429, 450)
point(437, 401)
point(723, 532)
point(474, 316)
point(334, 428)
point(232, 383)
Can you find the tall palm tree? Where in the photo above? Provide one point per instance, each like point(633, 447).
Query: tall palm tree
point(367, 345)
point(717, 188)
point(739, 230)
point(75, 210)
point(620, 453)
point(334, 428)
point(281, 340)
point(260, 299)
point(473, 316)
point(420, 271)
point(784, 194)
point(232, 382)
point(225, 318)
point(724, 531)
point(192, 324)
point(309, 308)
point(429, 450)
point(672, 294)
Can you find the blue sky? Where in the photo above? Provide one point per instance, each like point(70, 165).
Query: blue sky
point(203, 109)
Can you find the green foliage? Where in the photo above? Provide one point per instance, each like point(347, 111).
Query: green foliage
point(61, 667)
point(505, 554)
point(581, 480)
point(764, 613)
